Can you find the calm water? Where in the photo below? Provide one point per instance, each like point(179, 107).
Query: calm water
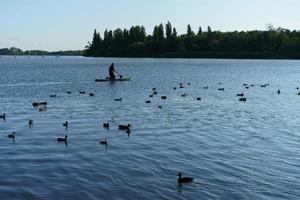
point(234, 150)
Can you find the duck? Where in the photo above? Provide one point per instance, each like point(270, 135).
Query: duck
point(106, 125)
point(181, 179)
point(43, 103)
point(221, 89)
point(265, 85)
point(66, 124)
point(240, 95)
point(181, 86)
point(103, 141)
point(297, 88)
point(65, 139)
point(3, 116)
point(163, 97)
point(91, 94)
point(205, 87)
point(247, 87)
point(155, 92)
point(148, 101)
point(153, 89)
point(52, 95)
point(81, 92)
point(243, 99)
point(183, 95)
point(174, 88)
point(160, 107)
point(30, 122)
point(151, 95)
point(199, 98)
point(13, 135)
point(124, 127)
point(245, 84)
point(278, 91)
point(119, 99)
point(189, 83)
point(69, 92)
point(180, 83)
point(252, 85)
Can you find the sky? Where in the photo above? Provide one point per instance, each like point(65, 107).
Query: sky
point(69, 24)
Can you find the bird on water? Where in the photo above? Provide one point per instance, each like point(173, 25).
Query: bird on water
point(181, 179)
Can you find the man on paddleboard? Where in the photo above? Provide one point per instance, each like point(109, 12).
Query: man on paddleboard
point(112, 72)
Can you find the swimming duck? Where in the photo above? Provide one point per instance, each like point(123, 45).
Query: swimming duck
point(81, 92)
point(221, 89)
point(184, 179)
point(65, 139)
point(125, 127)
point(155, 92)
point(153, 89)
point(199, 98)
point(13, 135)
point(252, 85)
point(103, 141)
point(247, 87)
point(52, 95)
point(69, 92)
point(106, 125)
point(30, 122)
point(91, 94)
point(151, 95)
point(297, 88)
point(245, 84)
point(163, 97)
point(66, 124)
point(119, 99)
point(148, 101)
point(43, 103)
point(3, 116)
point(206, 87)
point(160, 107)
point(174, 88)
point(183, 95)
point(243, 99)
point(240, 95)
point(278, 91)
point(181, 86)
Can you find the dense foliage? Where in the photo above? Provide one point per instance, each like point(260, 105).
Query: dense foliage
point(164, 42)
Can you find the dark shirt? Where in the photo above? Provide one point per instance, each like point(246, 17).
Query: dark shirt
point(112, 72)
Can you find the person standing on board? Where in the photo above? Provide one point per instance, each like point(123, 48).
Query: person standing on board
point(112, 72)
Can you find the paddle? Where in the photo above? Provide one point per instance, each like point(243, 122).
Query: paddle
point(119, 74)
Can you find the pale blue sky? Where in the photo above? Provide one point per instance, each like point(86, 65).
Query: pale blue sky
point(69, 24)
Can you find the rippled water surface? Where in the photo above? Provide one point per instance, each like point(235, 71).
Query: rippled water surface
point(234, 150)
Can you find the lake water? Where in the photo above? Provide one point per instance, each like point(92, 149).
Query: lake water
point(232, 149)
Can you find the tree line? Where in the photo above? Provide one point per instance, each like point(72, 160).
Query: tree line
point(165, 42)
point(16, 51)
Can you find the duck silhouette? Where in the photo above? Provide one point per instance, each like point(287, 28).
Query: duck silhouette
point(30, 122)
point(64, 139)
point(240, 95)
point(13, 135)
point(124, 127)
point(106, 125)
point(103, 141)
point(181, 179)
point(3, 116)
point(66, 124)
